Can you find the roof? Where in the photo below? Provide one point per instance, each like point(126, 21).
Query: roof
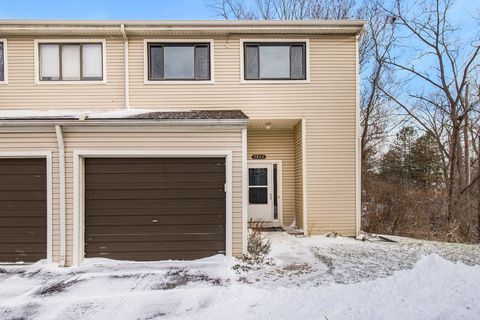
point(192, 115)
point(137, 115)
point(177, 27)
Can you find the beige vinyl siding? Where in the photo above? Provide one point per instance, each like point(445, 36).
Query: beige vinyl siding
point(22, 92)
point(155, 138)
point(277, 145)
point(327, 103)
point(31, 140)
point(298, 174)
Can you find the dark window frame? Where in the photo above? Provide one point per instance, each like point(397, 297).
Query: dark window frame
point(60, 47)
point(3, 67)
point(275, 44)
point(179, 44)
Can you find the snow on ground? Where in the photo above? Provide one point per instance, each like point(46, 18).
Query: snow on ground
point(313, 278)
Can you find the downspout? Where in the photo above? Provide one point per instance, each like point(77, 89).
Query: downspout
point(61, 168)
point(126, 67)
point(244, 193)
point(358, 151)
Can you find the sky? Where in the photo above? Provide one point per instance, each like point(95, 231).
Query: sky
point(145, 9)
point(106, 9)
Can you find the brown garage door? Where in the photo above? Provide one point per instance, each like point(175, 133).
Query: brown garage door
point(154, 208)
point(23, 210)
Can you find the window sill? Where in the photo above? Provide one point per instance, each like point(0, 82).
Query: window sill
point(60, 82)
point(243, 81)
point(192, 82)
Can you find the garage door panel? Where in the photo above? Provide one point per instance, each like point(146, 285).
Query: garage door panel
point(133, 194)
point(25, 221)
point(154, 185)
point(142, 161)
point(13, 167)
point(154, 208)
point(193, 237)
point(155, 229)
point(29, 233)
point(24, 195)
point(23, 210)
point(150, 246)
point(27, 248)
point(145, 220)
point(160, 205)
point(173, 167)
point(158, 255)
point(108, 178)
point(159, 212)
point(22, 257)
point(39, 186)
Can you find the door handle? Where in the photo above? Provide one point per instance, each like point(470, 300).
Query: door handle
point(154, 221)
point(271, 196)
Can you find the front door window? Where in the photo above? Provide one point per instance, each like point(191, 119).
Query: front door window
point(258, 186)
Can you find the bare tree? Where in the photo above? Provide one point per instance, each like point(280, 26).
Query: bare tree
point(424, 28)
point(284, 9)
point(375, 46)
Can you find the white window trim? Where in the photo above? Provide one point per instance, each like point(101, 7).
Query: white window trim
point(36, 51)
point(5, 62)
point(193, 82)
point(78, 188)
point(48, 156)
point(307, 61)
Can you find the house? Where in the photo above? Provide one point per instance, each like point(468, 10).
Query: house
point(147, 140)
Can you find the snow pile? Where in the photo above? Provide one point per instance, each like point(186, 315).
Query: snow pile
point(434, 288)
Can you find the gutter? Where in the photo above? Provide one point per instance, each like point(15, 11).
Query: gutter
point(171, 27)
point(61, 165)
point(187, 23)
point(86, 123)
point(126, 67)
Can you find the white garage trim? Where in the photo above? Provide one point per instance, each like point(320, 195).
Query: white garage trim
point(78, 187)
point(48, 157)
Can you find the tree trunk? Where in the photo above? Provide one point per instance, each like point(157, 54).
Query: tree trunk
point(467, 141)
point(478, 188)
point(453, 168)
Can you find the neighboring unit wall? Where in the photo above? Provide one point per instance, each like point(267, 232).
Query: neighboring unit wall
point(22, 92)
point(277, 145)
point(298, 175)
point(192, 138)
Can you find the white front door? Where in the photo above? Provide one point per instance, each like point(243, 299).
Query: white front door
point(260, 192)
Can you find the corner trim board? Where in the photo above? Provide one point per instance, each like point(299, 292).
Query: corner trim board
point(304, 176)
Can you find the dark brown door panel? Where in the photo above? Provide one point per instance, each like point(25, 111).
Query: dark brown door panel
point(154, 208)
point(23, 210)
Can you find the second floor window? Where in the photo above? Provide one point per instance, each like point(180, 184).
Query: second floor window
point(2, 62)
point(178, 61)
point(274, 61)
point(71, 61)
